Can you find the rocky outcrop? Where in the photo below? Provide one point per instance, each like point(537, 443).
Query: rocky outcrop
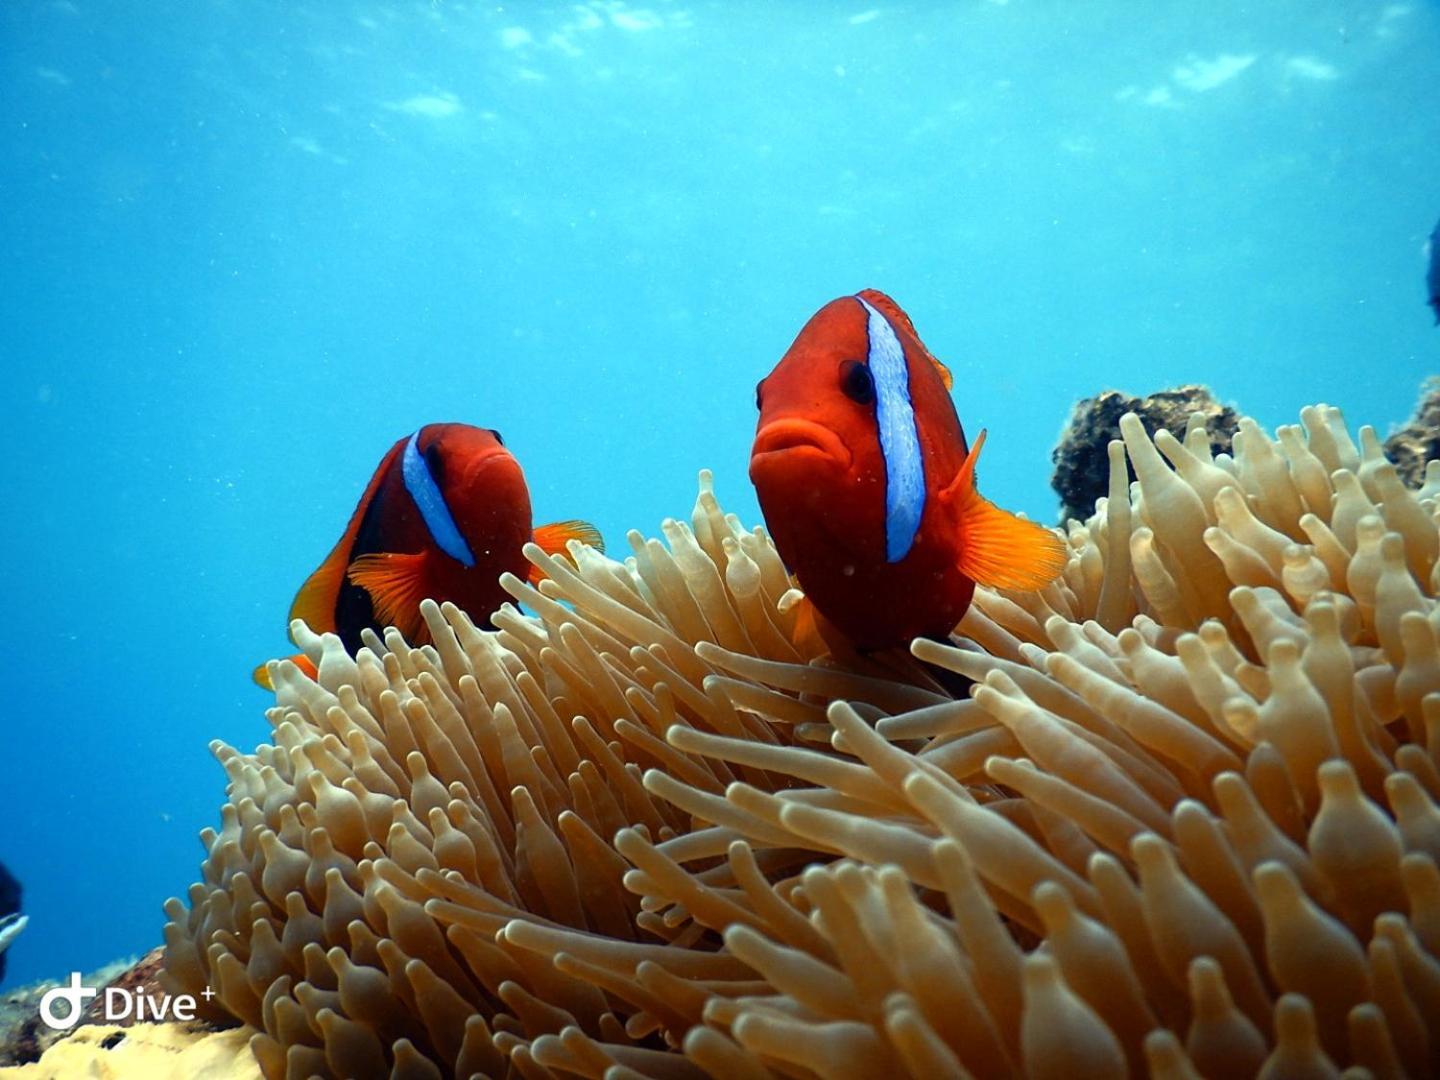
point(1418, 441)
point(1082, 469)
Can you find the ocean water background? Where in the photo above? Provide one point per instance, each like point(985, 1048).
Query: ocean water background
point(246, 246)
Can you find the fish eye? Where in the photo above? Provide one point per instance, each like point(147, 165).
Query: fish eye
point(759, 388)
point(857, 382)
point(498, 437)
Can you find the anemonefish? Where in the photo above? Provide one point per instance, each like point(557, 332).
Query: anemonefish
point(868, 487)
point(1432, 275)
point(446, 513)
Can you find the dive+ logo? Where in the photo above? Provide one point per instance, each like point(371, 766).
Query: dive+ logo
point(117, 1005)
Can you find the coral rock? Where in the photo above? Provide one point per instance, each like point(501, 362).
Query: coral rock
point(146, 1052)
point(1082, 469)
point(1410, 447)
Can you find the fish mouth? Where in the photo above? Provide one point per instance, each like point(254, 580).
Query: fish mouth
point(487, 460)
point(482, 472)
point(794, 437)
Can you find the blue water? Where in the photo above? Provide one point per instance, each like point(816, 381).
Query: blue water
point(246, 246)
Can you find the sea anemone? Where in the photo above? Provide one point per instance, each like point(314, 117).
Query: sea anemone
point(1185, 821)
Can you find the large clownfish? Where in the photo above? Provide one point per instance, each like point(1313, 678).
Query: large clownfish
point(446, 513)
point(868, 487)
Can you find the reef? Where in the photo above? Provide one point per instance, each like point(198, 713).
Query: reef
point(1082, 468)
point(1185, 822)
point(23, 1038)
point(1416, 443)
point(171, 1051)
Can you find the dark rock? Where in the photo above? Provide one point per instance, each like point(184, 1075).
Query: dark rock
point(1411, 446)
point(143, 977)
point(1082, 464)
point(23, 1037)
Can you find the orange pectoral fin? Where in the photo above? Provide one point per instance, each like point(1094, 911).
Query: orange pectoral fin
point(552, 539)
point(261, 674)
point(396, 584)
point(998, 548)
point(1004, 551)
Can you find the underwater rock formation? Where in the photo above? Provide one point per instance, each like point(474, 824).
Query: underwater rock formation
point(1082, 470)
point(140, 978)
point(174, 1051)
point(24, 1038)
point(1413, 446)
point(1186, 822)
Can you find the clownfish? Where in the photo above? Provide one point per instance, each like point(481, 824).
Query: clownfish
point(1432, 274)
point(867, 484)
point(446, 513)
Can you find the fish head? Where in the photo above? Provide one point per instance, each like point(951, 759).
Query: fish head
point(481, 482)
point(817, 463)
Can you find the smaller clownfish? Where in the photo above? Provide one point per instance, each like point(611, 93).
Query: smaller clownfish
point(445, 515)
point(1432, 274)
point(868, 487)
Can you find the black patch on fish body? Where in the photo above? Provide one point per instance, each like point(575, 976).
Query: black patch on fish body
point(354, 609)
point(353, 612)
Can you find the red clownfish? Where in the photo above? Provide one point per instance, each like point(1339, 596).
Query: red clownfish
point(446, 513)
point(868, 487)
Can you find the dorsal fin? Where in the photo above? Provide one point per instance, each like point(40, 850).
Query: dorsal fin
point(878, 300)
